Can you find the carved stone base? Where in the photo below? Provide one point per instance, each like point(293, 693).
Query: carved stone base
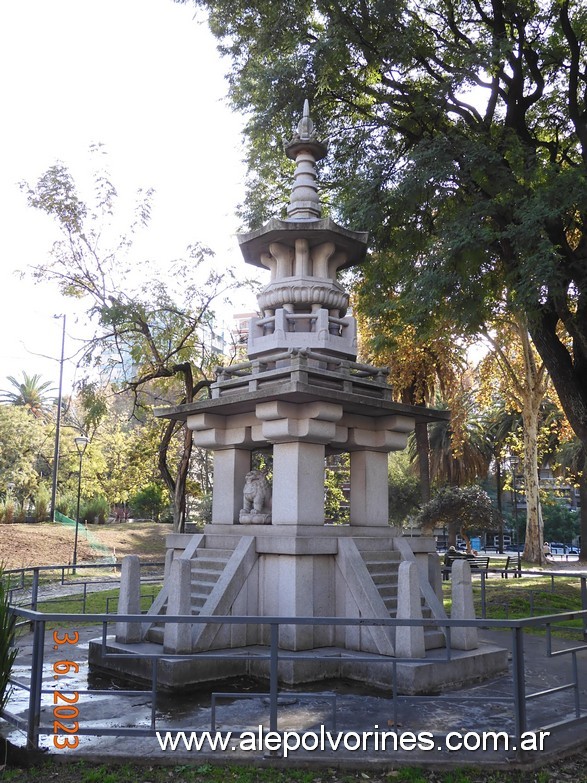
point(252, 518)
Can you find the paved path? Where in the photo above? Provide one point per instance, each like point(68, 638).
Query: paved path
point(480, 708)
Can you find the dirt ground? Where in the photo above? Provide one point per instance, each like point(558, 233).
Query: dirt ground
point(23, 545)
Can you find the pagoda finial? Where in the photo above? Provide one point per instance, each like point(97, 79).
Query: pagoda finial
point(305, 149)
point(305, 125)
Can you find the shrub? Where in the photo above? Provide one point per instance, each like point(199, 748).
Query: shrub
point(42, 504)
point(67, 505)
point(150, 502)
point(96, 509)
point(7, 651)
point(9, 512)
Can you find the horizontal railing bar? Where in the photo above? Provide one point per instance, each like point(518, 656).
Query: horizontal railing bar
point(86, 566)
point(280, 620)
point(556, 653)
point(547, 691)
point(101, 691)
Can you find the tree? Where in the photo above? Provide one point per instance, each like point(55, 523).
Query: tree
point(24, 439)
point(30, 393)
point(150, 329)
point(515, 369)
point(463, 460)
point(560, 523)
point(459, 136)
point(403, 489)
point(419, 368)
point(466, 508)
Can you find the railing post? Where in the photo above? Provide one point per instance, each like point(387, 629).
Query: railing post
point(576, 691)
point(154, 694)
point(35, 589)
point(34, 711)
point(584, 605)
point(518, 674)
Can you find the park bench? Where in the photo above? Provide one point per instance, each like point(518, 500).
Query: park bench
point(475, 563)
point(480, 564)
point(511, 567)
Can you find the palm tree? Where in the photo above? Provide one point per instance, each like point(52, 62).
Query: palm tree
point(30, 393)
point(458, 463)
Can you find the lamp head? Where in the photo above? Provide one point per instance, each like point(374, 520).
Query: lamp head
point(81, 442)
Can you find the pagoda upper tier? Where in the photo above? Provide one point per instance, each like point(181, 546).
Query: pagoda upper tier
point(303, 306)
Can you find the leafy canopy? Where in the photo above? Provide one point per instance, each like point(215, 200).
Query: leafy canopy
point(458, 134)
point(152, 327)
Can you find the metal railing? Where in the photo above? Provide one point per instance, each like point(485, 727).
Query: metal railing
point(517, 700)
point(487, 578)
point(26, 586)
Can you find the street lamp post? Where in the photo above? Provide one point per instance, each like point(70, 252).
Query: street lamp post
point(514, 462)
point(57, 425)
point(81, 443)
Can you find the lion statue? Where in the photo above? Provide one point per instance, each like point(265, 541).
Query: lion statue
point(257, 493)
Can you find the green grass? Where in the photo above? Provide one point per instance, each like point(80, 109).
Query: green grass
point(80, 772)
point(97, 603)
point(514, 599)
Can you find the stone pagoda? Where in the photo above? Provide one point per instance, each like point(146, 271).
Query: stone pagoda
point(268, 551)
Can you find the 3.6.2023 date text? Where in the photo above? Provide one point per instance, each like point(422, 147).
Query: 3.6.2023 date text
point(65, 709)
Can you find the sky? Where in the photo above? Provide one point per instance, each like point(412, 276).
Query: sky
point(143, 78)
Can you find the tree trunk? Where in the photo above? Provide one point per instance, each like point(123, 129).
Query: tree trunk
point(533, 549)
point(499, 501)
point(583, 500)
point(179, 505)
point(176, 485)
point(423, 451)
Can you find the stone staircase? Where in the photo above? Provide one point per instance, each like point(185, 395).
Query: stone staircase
point(206, 567)
point(383, 567)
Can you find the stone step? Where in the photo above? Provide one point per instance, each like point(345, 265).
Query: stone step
point(207, 567)
point(155, 634)
point(388, 591)
point(391, 601)
point(381, 557)
point(209, 563)
point(433, 638)
point(221, 554)
point(383, 579)
point(202, 588)
point(205, 576)
point(390, 575)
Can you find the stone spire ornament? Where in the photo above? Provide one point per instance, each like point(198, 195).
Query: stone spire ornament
point(305, 149)
point(303, 306)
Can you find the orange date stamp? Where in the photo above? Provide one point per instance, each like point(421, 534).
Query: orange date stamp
point(65, 710)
